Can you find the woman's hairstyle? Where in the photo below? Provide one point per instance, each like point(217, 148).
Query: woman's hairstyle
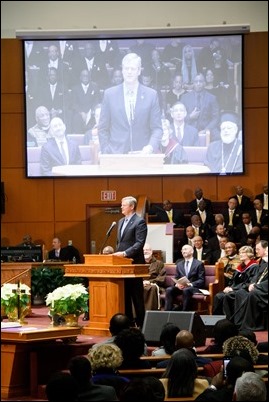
point(168, 337)
point(131, 341)
point(181, 372)
point(240, 346)
point(248, 250)
point(224, 329)
point(105, 355)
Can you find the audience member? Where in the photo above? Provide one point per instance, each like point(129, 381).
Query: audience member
point(259, 217)
point(200, 252)
point(39, 134)
point(58, 252)
point(175, 93)
point(131, 237)
point(236, 344)
point(73, 253)
point(62, 387)
point(26, 241)
point(221, 389)
point(263, 197)
point(214, 241)
point(244, 202)
point(131, 341)
point(230, 261)
point(167, 340)
point(159, 72)
point(194, 271)
point(85, 96)
point(172, 54)
point(117, 77)
point(188, 68)
point(185, 134)
point(207, 217)
point(81, 370)
point(222, 330)
point(154, 285)
point(232, 216)
point(202, 108)
point(58, 150)
point(180, 376)
point(146, 389)
point(251, 302)
point(242, 277)
point(199, 195)
point(188, 237)
point(200, 229)
point(141, 128)
point(170, 214)
point(250, 387)
point(117, 323)
point(173, 151)
point(219, 220)
point(105, 360)
point(224, 155)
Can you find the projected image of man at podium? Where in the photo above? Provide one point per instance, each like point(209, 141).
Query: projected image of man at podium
point(131, 237)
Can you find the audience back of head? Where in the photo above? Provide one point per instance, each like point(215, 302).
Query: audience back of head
point(80, 369)
point(148, 389)
point(62, 387)
point(168, 337)
point(249, 387)
point(118, 322)
point(236, 366)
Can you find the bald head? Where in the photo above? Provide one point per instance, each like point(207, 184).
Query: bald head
point(184, 339)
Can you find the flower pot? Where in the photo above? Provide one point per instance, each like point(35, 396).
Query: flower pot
point(71, 320)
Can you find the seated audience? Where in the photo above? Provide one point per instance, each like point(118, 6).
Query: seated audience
point(62, 387)
point(230, 261)
point(81, 370)
point(243, 229)
point(207, 217)
point(194, 271)
point(167, 340)
point(180, 376)
point(222, 330)
point(263, 197)
point(105, 360)
point(39, 134)
point(241, 278)
point(26, 241)
point(200, 252)
point(250, 387)
point(145, 389)
point(238, 346)
point(117, 323)
point(221, 389)
point(131, 341)
point(219, 254)
point(153, 285)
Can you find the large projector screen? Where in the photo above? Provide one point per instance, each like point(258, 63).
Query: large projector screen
point(134, 106)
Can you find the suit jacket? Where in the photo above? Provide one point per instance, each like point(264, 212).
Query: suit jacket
point(116, 134)
point(177, 215)
point(260, 197)
point(51, 156)
point(190, 136)
point(196, 272)
point(206, 254)
point(193, 205)
point(133, 238)
point(246, 204)
point(64, 254)
point(263, 219)
point(96, 392)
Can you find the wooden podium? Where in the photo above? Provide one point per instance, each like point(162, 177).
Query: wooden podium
point(106, 275)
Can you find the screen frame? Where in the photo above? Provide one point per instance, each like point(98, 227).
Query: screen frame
point(122, 34)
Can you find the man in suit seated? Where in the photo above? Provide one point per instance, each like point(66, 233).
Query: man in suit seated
point(201, 253)
point(170, 214)
point(244, 202)
point(199, 195)
point(58, 253)
point(194, 271)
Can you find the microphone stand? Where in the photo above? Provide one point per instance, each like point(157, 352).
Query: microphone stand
point(106, 239)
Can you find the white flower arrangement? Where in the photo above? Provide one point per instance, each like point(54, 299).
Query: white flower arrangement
point(15, 296)
point(69, 299)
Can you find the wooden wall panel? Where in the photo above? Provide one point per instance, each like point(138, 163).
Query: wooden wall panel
point(49, 207)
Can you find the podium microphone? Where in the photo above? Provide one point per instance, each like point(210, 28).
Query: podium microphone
point(107, 235)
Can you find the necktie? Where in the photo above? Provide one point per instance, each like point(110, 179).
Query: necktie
point(131, 106)
point(231, 214)
point(124, 226)
point(203, 217)
point(259, 212)
point(198, 105)
point(63, 152)
point(248, 228)
point(169, 213)
point(199, 254)
point(187, 267)
point(239, 197)
point(178, 132)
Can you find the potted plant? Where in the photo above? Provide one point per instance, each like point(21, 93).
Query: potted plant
point(69, 302)
point(15, 301)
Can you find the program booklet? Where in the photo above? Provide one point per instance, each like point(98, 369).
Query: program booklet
point(183, 281)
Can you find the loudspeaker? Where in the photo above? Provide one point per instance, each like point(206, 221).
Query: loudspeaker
point(209, 322)
point(191, 321)
point(3, 198)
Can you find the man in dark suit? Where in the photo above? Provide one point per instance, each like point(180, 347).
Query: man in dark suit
point(58, 252)
point(170, 214)
point(58, 150)
point(199, 196)
point(263, 197)
point(194, 270)
point(200, 252)
point(131, 237)
point(130, 117)
point(244, 202)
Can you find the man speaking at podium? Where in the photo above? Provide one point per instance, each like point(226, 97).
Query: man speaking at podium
point(131, 237)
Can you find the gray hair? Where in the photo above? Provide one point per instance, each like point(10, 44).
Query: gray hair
point(250, 387)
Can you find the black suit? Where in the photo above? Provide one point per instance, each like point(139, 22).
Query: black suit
point(246, 204)
point(206, 254)
point(177, 216)
point(64, 254)
point(193, 205)
point(132, 242)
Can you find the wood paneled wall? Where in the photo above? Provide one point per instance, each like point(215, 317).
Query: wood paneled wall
point(57, 207)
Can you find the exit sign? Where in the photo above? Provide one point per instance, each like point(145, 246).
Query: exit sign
point(108, 195)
